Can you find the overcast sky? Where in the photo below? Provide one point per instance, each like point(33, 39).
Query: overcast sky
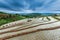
point(30, 6)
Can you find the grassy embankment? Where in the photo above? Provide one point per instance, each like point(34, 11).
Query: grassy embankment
point(6, 18)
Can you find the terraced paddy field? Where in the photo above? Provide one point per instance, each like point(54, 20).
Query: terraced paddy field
point(31, 29)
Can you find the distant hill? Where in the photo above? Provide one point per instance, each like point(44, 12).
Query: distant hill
point(34, 14)
point(38, 14)
point(53, 14)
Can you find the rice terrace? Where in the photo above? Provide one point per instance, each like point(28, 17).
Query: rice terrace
point(12, 25)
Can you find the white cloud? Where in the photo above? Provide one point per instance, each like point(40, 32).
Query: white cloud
point(28, 11)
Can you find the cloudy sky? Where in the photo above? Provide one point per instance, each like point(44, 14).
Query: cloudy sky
point(30, 6)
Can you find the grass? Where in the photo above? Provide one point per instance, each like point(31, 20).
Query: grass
point(55, 17)
point(10, 19)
